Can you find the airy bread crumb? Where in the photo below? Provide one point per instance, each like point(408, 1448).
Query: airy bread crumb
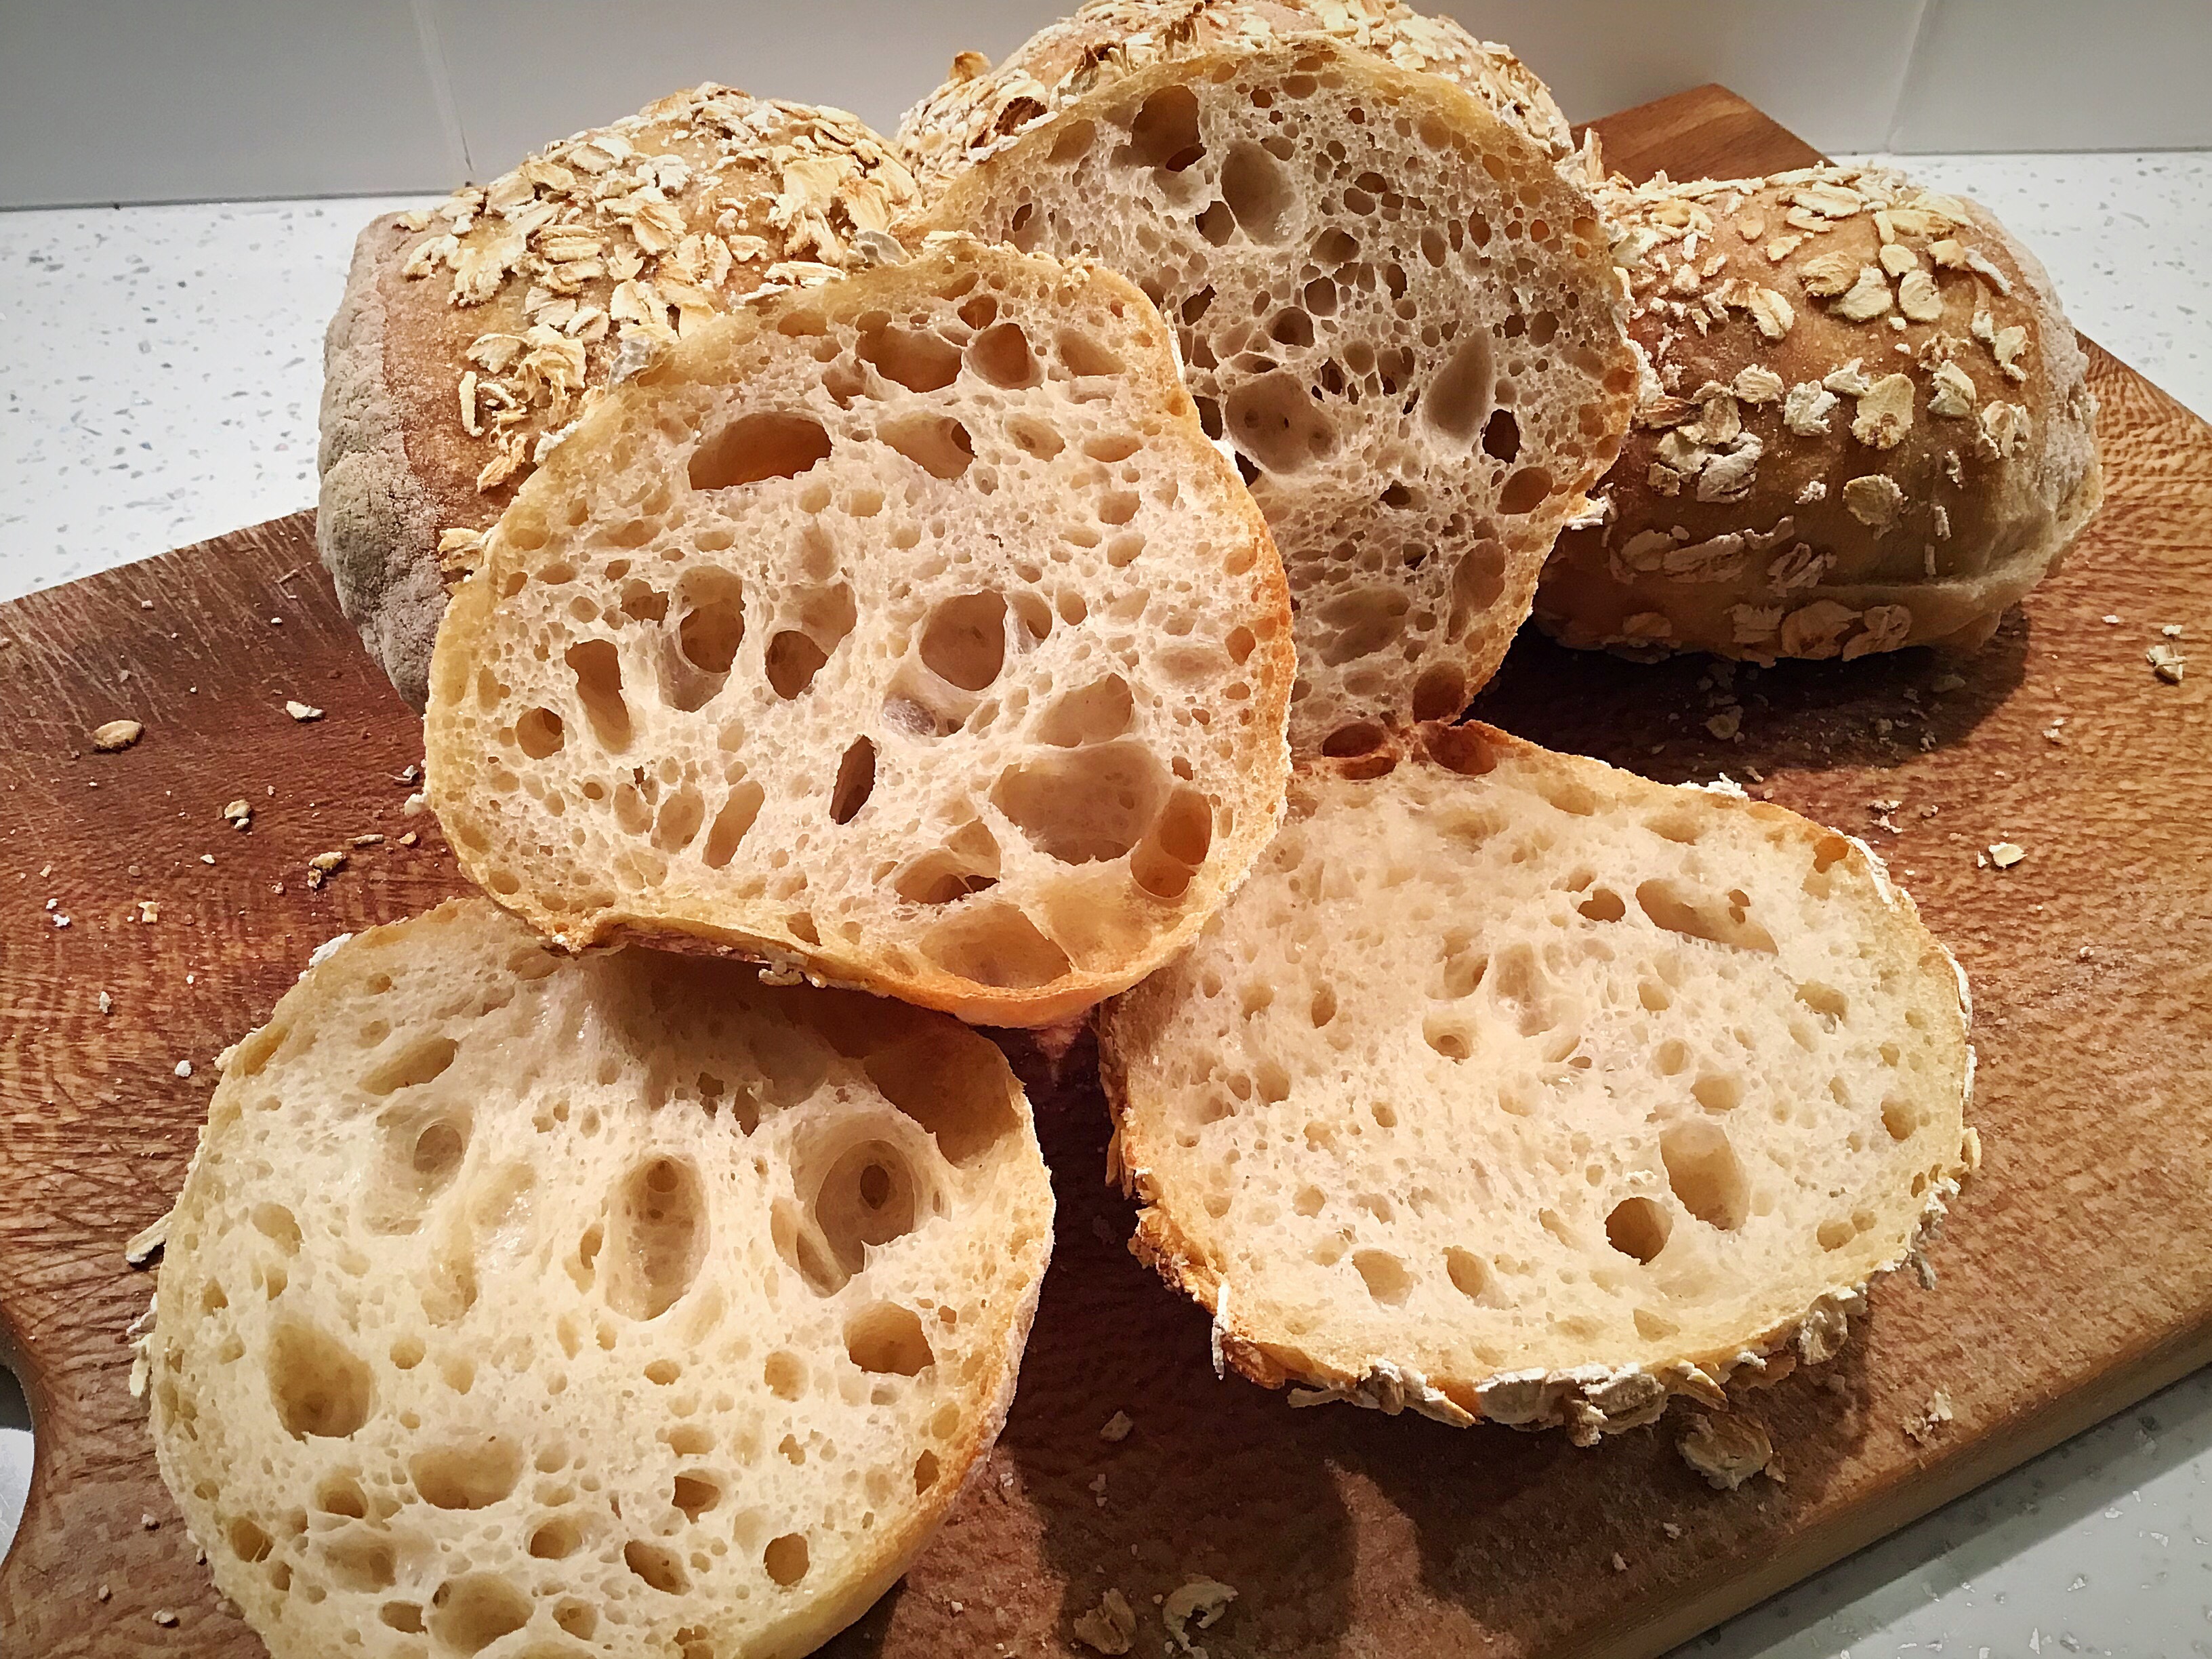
point(511, 1292)
point(1512, 1085)
point(1392, 307)
point(905, 632)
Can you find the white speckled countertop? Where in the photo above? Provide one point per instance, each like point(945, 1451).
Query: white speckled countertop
point(162, 370)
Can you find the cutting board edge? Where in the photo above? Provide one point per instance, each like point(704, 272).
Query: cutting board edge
point(2120, 1383)
point(2129, 1380)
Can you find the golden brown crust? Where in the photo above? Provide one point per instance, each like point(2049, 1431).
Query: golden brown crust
point(979, 109)
point(1868, 425)
point(469, 336)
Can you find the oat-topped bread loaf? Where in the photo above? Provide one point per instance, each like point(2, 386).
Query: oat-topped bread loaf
point(470, 335)
point(520, 1300)
point(1392, 307)
point(1514, 1086)
point(1866, 425)
point(905, 631)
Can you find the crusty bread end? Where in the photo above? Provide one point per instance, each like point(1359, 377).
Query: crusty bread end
point(521, 1299)
point(1514, 1086)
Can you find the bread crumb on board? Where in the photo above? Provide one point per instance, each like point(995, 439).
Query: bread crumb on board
point(116, 735)
point(1116, 1428)
point(1727, 1450)
point(301, 712)
point(146, 1240)
point(1924, 1424)
point(1203, 1599)
point(1110, 1627)
point(2166, 663)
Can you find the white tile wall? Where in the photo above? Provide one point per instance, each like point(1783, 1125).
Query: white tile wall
point(525, 71)
point(2012, 75)
point(174, 101)
point(1827, 69)
point(144, 101)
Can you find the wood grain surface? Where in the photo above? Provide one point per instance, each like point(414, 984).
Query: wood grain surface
point(2076, 1276)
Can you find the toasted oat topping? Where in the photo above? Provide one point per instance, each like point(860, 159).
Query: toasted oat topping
point(1875, 499)
point(1926, 1423)
point(1110, 1627)
point(1201, 1601)
point(1953, 397)
point(1885, 412)
point(1721, 275)
point(596, 253)
point(1726, 1450)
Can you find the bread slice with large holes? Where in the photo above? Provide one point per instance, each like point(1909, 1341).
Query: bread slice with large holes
point(1514, 1086)
point(625, 1300)
point(905, 631)
point(1392, 307)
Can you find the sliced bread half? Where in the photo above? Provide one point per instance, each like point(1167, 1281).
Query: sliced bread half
point(1514, 1086)
point(906, 631)
point(472, 334)
point(1393, 310)
point(626, 1300)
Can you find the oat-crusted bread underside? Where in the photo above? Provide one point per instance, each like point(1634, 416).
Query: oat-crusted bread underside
point(1392, 308)
point(472, 334)
point(520, 1299)
point(1866, 425)
point(1512, 1085)
point(905, 631)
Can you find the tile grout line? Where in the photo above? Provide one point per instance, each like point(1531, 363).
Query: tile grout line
point(441, 88)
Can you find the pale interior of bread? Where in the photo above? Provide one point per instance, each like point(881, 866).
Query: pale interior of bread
point(1544, 1068)
point(621, 1299)
point(1390, 309)
point(908, 627)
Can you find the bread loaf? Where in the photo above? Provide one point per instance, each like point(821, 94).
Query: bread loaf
point(625, 1301)
point(1866, 425)
point(471, 335)
point(1514, 1086)
point(1393, 309)
point(905, 631)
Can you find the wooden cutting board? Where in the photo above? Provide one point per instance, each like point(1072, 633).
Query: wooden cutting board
point(2076, 1276)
